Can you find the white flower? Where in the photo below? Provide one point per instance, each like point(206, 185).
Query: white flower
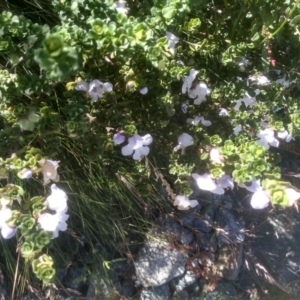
point(289, 138)
point(180, 63)
point(283, 81)
point(206, 183)
point(223, 112)
point(237, 129)
point(144, 90)
point(225, 182)
point(119, 138)
point(215, 155)
point(267, 138)
point(95, 88)
point(199, 93)
point(53, 223)
point(184, 107)
point(184, 203)
point(172, 41)
point(284, 135)
point(7, 232)
point(188, 81)
point(49, 170)
point(254, 187)
point(25, 173)
point(243, 63)
point(121, 7)
point(260, 79)
point(248, 100)
point(184, 140)
point(57, 200)
point(139, 145)
point(292, 195)
point(260, 200)
point(198, 119)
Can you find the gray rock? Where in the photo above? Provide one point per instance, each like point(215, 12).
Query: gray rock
point(74, 278)
point(223, 200)
point(229, 262)
point(128, 288)
point(181, 283)
point(222, 291)
point(187, 217)
point(275, 250)
point(156, 293)
point(100, 289)
point(169, 226)
point(202, 225)
point(207, 241)
point(157, 264)
point(231, 231)
point(118, 280)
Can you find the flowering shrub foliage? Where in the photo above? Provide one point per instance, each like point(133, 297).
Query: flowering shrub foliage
point(161, 76)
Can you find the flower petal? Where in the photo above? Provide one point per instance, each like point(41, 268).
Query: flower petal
point(82, 86)
point(292, 195)
point(107, 87)
point(57, 200)
point(259, 200)
point(237, 129)
point(193, 203)
point(206, 183)
point(8, 232)
point(147, 139)
point(215, 155)
point(144, 90)
point(140, 152)
point(188, 81)
point(118, 138)
point(223, 112)
point(94, 96)
point(127, 150)
point(289, 138)
point(185, 140)
point(225, 182)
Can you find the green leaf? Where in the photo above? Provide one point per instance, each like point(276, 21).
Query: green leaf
point(295, 20)
point(255, 37)
point(25, 124)
point(204, 156)
point(33, 117)
point(169, 12)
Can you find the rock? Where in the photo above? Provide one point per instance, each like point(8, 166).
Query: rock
point(181, 283)
point(222, 291)
point(123, 275)
point(223, 200)
point(61, 273)
point(187, 217)
point(74, 279)
point(170, 227)
point(100, 289)
point(230, 231)
point(161, 292)
point(158, 263)
point(195, 222)
point(207, 241)
point(120, 280)
point(201, 225)
point(128, 288)
point(229, 262)
point(275, 249)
